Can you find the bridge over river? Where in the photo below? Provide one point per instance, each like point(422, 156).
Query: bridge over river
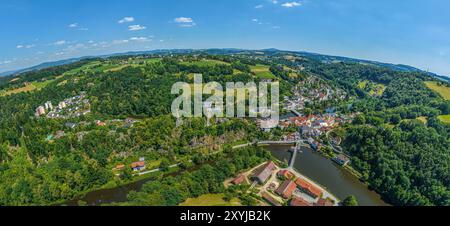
point(298, 144)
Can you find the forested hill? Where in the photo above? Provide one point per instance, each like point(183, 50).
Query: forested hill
point(319, 57)
point(399, 142)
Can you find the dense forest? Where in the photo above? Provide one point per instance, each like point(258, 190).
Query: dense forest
point(402, 158)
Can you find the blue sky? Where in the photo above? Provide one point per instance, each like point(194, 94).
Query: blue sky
point(413, 32)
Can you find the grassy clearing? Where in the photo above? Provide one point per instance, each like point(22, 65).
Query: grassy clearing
point(259, 68)
point(363, 84)
point(211, 200)
point(442, 90)
point(262, 71)
point(119, 68)
point(444, 118)
point(374, 89)
point(423, 119)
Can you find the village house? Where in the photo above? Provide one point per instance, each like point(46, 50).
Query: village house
point(267, 124)
point(292, 137)
point(100, 123)
point(341, 160)
point(138, 166)
point(297, 201)
point(266, 196)
point(239, 180)
point(308, 188)
point(119, 167)
point(263, 173)
point(48, 105)
point(324, 202)
point(62, 105)
point(40, 111)
point(286, 189)
point(285, 174)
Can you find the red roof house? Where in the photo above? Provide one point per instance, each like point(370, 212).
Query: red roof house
point(120, 167)
point(138, 166)
point(270, 199)
point(286, 174)
point(263, 173)
point(238, 180)
point(307, 187)
point(286, 189)
point(299, 202)
point(324, 202)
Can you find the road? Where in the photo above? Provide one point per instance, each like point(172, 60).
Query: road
point(157, 170)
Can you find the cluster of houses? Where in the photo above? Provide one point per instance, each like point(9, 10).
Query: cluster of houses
point(135, 166)
point(312, 90)
point(281, 186)
point(69, 108)
point(313, 126)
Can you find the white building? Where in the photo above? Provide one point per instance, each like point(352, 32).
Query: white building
point(39, 111)
point(48, 105)
point(268, 124)
point(62, 105)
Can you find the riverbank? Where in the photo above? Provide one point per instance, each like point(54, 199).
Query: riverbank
point(338, 180)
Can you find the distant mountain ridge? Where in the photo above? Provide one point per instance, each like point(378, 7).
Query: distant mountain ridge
point(316, 56)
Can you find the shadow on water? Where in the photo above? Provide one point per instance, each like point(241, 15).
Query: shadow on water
point(330, 175)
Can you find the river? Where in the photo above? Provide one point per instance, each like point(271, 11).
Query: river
point(117, 194)
point(309, 163)
point(335, 179)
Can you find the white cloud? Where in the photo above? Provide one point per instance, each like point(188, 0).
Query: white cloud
point(78, 27)
point(259, 6)
point(118, 42)
point(140, 39)
point(255, 20)
point(61, 42)
point(185, 21)
point(74, 48)
point(136, 27)
point(126, 20)
point(274, 1)
point(291, 4)
point(25, 46)
point(6, 62)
